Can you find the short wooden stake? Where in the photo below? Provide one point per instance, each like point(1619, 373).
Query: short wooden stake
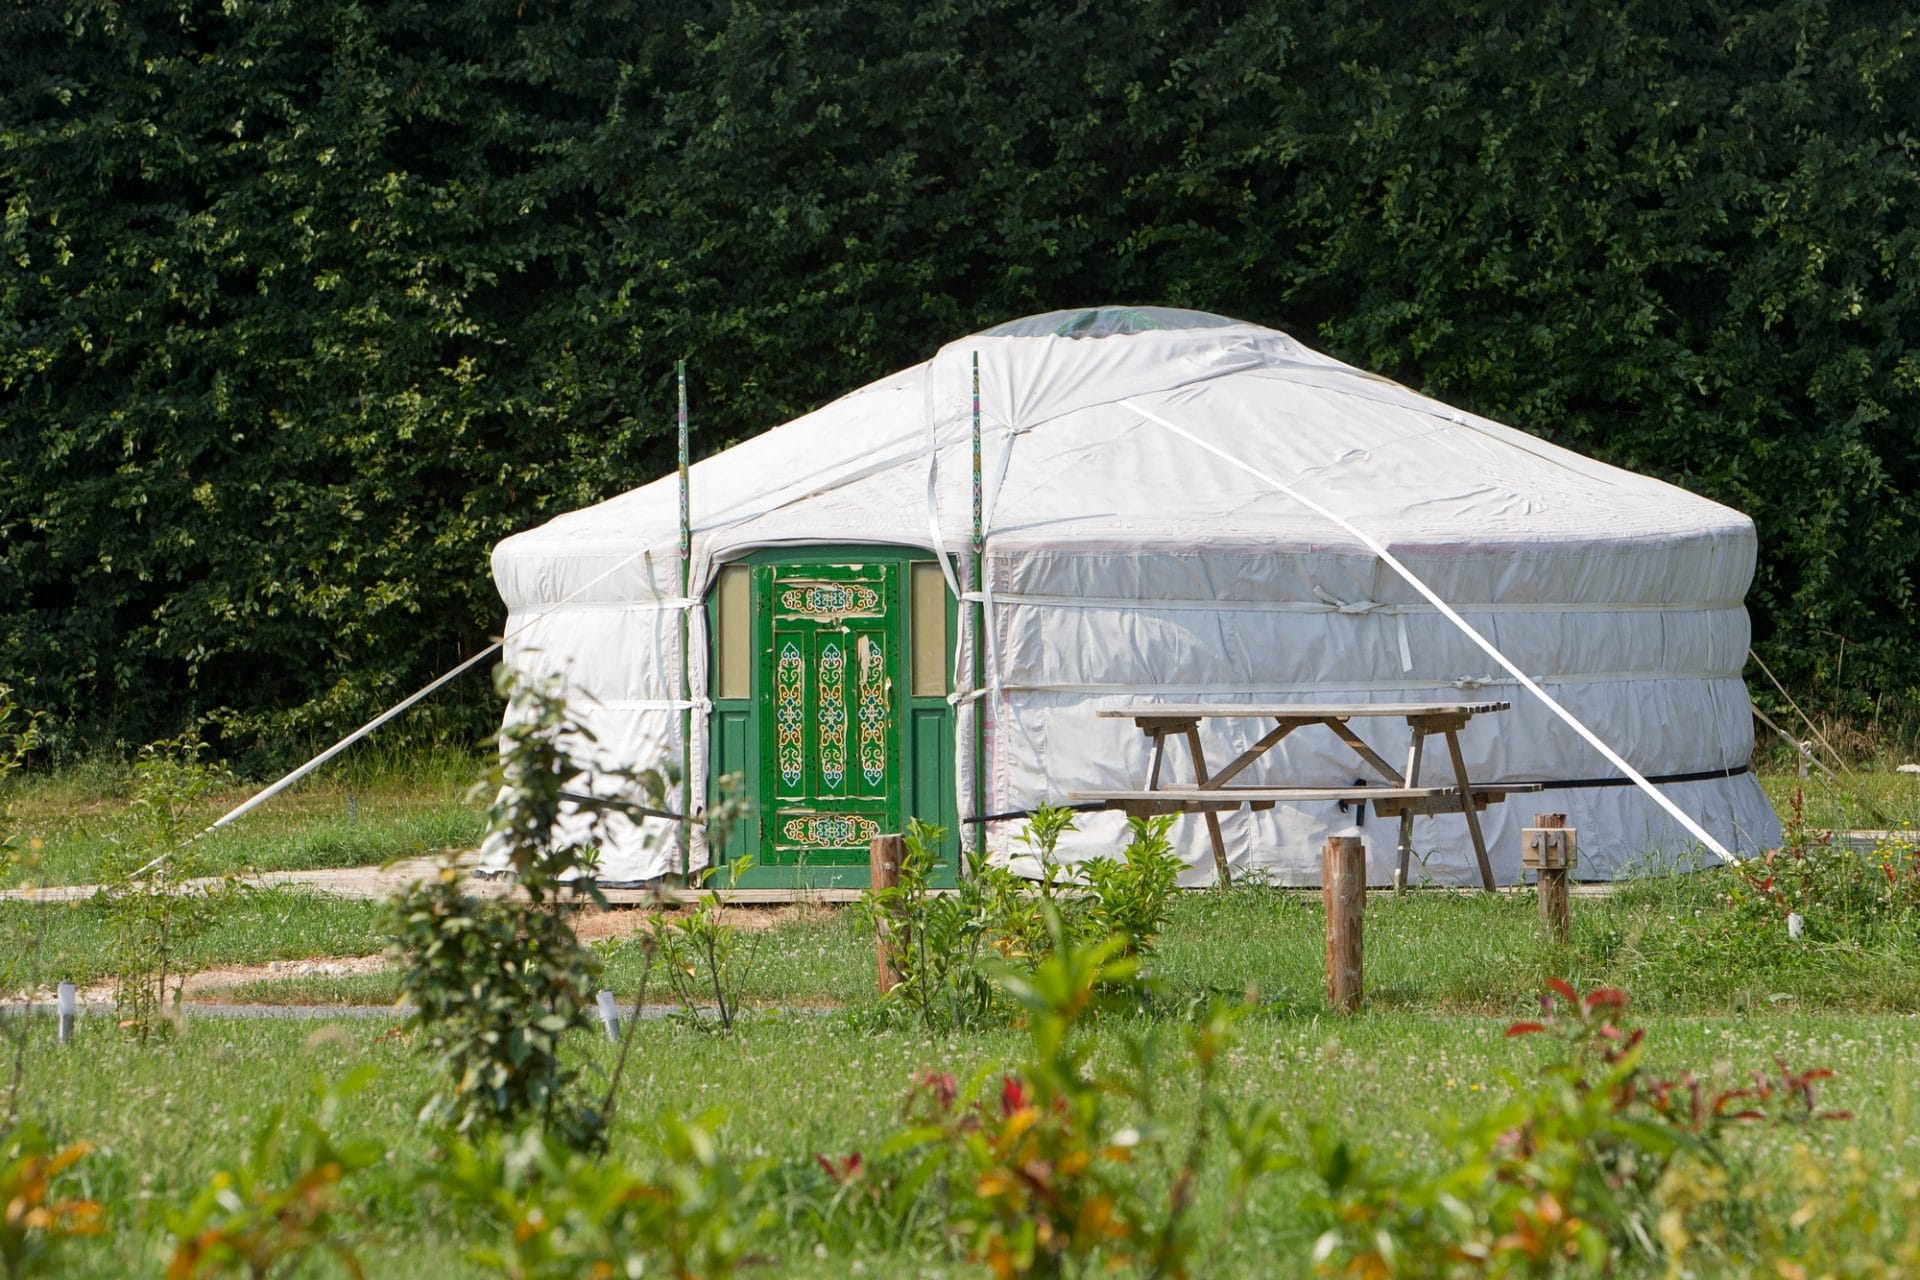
point(1549, 849)
point(1343, 887)
point(884, 856)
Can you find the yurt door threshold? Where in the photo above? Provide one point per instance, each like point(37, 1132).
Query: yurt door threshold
point(831, 668)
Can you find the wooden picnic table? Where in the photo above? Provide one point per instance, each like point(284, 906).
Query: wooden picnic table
point(1404, 796)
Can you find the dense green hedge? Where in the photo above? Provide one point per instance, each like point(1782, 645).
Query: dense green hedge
point(305, 303)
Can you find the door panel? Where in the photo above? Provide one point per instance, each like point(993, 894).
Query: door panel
point(832, 767)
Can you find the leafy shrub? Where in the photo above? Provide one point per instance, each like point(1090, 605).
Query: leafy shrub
point(703, 956)
point(1049, 1168)
point(496, 984)
point(558, 1214)
point(943, 945)
point(1132, 895)
point(1565, 1176)
point(154, 910)
point(938, 943)
point(278, 1204)
point(1837, 893)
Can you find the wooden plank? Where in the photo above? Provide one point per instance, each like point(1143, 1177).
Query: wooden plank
point(1307, 710)
point(1439, 722)
point(1365, 752)
point(1164, 724)
point(1468, 808)
point(1240, 762)
point(1234, 796)
point(1482, 796)
point(1220, 870)
point(1410, 779)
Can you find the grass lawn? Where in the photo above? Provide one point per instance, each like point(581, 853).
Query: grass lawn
point(72, 942)
point(1865, 799)
point(368, 812)
point(802, 1085)
point(1445, 974)
point(813, 1071)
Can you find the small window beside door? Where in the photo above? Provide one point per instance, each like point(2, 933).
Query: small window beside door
point(733, 641)
point(927, 588)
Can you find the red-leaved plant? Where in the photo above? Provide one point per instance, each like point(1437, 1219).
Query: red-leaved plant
point(1562, 1177)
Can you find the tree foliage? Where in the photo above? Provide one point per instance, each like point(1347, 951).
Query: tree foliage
point(305, 305)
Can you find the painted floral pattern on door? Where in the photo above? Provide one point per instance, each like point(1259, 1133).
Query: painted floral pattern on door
point(789, 715)
point(833, 715)
point(830, 600)
point(873, 710)
point(830, 831)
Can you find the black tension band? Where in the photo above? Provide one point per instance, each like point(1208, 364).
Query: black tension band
point(1705, 775)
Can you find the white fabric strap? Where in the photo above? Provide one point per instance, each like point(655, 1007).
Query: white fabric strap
point(934, 539)
point(1338, 605)
point(1466, 682)
point(1328, 603)
point(1527, 682)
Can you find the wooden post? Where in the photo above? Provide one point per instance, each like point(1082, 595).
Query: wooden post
point(1548, 847)
point(884, 856)
point(1343, 887)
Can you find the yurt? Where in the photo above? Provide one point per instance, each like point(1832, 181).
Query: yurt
point(1175, 508)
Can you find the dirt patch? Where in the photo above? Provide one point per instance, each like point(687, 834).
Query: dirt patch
point(216, 984)
point(619, 922)
point(213, 984)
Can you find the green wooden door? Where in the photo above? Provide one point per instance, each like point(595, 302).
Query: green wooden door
point(830, 775)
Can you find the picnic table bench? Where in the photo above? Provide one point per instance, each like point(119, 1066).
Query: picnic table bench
point(1403, 796)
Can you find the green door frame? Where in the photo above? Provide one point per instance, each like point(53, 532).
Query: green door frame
point(924, 725)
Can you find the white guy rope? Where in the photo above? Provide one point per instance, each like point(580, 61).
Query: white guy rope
point(261, 798)
point(1527, 682)
point(256, 801)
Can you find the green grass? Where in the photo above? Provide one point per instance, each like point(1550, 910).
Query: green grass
point(360, 816)
point(72, 942)
point(1444, 973)
point(315, 989)
point(1870, 799)
point(805, 1085)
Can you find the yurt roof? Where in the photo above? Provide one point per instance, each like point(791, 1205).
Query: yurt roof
point(1116, 428)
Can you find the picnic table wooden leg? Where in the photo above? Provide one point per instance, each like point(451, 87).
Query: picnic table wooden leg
point(1213, 819)
point(1412, 775)
point(1466, 808)
point(1159, 754)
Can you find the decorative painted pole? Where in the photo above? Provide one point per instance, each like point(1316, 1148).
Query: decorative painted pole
point(979, 637)
point(686, 683)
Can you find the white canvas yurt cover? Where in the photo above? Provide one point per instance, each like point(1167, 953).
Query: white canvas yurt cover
point(1146, 541)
